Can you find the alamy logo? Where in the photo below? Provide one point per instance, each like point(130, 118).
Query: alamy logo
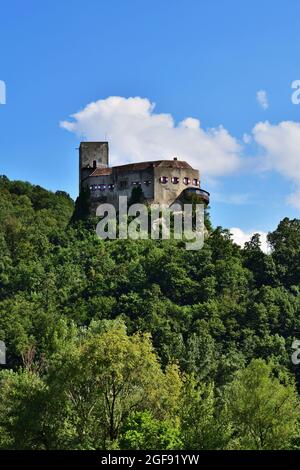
point(2, 353)
point(140, 221)
point(2, 92)
point(296, 353)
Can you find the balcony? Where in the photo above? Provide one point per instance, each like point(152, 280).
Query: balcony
point(201, 194)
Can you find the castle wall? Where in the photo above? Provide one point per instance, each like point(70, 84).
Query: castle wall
point(108, 188)
point(167, 193)
point(123, 183)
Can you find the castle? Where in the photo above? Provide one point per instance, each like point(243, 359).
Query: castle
point(160, 182)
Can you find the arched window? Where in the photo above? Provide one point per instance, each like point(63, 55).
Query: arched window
point(175, 179)
point(195, 182)
point(186, 180)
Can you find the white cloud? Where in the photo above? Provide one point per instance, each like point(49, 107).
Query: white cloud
point(281, 147)
point(136, 133)
point(247, 138)
point(240, 238)
point(262, 99)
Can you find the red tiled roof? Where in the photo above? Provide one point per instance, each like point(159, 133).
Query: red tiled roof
point(101, 172)
point(133, 166)
point(145, 165)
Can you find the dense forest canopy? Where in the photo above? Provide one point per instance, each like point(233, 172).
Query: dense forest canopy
point(143, 344)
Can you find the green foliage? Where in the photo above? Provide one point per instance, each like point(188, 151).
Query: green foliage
point(264, 409)
point(285, 242)
point(174, 331)
point(203, 424)
point(82, 206)
point(91, 384)
point(21, 404)
point(141, 431)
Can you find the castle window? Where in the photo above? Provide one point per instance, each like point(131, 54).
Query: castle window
point(186, 180)
point(175, 179)
point(163, 179)
point(195, 182)
point(102, 187)
point(94, 163)
point(136, 183)
point(147, 183)
point(111, 187)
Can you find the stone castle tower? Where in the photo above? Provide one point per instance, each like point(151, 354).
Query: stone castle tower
point(92, 155)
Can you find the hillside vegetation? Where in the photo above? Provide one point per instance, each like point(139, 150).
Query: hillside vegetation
point(143, 344)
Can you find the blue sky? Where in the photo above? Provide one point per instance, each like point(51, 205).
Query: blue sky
point(195, 58)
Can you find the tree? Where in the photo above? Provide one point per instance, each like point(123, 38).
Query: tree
point(202, 423)
point(21, 406)
point(263, 407)
point(96, 382)
point(82, 205)
point(141, 431)
point(260, 264)
point(285, 243)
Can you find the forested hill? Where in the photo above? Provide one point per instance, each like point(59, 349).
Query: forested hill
point(209, 314)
